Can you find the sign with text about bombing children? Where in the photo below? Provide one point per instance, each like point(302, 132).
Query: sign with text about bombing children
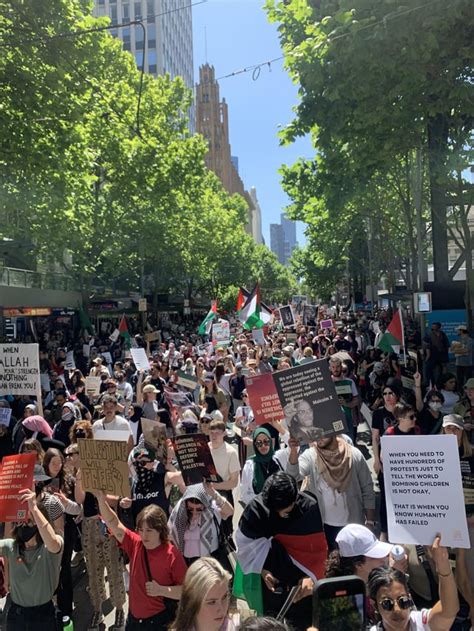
point(104, 466)
point(16, 474)
point(424, 490)
point(19, 369)
point(195, 459)
point(264, 399)
point(310, 383)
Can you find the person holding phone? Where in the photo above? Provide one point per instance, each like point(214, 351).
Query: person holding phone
point(394, 606)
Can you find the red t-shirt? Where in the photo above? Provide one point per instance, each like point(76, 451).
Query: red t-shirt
point(167, 567)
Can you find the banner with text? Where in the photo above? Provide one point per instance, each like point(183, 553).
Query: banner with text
point(16, 474)
point(264, 400)
point(424, 490)
point(104, 466)
point(195, 459)
point(19, 369)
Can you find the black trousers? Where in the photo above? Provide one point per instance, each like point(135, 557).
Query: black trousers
point(65, 587)
point(160, 622)
point(32, 618)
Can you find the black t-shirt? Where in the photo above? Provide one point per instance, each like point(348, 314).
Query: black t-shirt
point(382, 419)
point(428, 424)
point(154, 494)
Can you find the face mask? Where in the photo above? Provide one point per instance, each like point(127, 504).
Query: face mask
point(435, 406)
point(80, 433)
point(25, 532)
point(67, 416)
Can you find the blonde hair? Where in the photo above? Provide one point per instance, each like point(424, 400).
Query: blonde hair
point(466, 444)
point(201, 576)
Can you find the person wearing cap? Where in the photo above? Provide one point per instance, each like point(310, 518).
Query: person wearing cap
point(357, 553)
point(98, 368)
point(34, 553)
point(111, 421)
point(465, 407)
point(147, 397)
point(463, 350)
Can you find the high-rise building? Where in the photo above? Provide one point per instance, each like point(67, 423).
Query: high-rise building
point(283, 238)
point(212, 121)
point(256, 217)
point(168, 37)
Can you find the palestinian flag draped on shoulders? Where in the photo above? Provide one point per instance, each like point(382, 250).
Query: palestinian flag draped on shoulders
point(206, 324)
point(252, 313)
point(394, 338)
point(290, 548)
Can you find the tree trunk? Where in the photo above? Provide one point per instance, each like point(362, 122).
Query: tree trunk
point(437, 152)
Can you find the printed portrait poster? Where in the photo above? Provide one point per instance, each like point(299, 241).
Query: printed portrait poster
point(264, 399)
point(155, 437)
point(195, 459)
point(16, 474)
point(310, 314)
point(104, 466)
point(309, 401)
point(408, 370)
point(221, 333)
point(424, 490)
point(19, 369)
point(287, 316)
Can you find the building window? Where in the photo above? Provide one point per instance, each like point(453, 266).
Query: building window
point(101, 2)
point(126, 38)
point(139, 59)
point(113, 14)
point(205, 98)
point(150, 10)
point(152, 69)
point(125, 12)
point(138, 10)
point(151, 58)
point(151, 32)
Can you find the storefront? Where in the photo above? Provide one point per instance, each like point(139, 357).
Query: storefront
point(32, 322)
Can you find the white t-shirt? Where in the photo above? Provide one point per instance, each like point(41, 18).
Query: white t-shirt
point(418, 622)
point(336, 511)
point(118, 424)
point(226, 461)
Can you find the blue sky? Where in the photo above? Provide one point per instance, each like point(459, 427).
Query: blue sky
point(239, 35)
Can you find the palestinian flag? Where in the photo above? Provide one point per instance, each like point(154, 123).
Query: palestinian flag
point(393, 338)
point(266, 313)
point(241, 298)
point(206, 324)
point(123, 329)
point(289, 548)
point(253, 314)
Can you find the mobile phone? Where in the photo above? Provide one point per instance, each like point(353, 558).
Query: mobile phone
point(339, 604)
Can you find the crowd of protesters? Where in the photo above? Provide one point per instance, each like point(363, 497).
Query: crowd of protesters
point(169, 550)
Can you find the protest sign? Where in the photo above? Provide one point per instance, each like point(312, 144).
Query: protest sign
point(5, 416)
point(70, 363)
point(258, 336)
point(178, 399)
point(114, 336)
point(107, 358)
point(154, 336)
point(19, 369)
point(195, 459)
point(155, 437)
point(221, 333)
point(343, 389)
point(467, 477)
point(45, 382)
point(326, 324)
point(205, 349)
point(424, 491)
point(408, 369)
point(187, 381)
point(104, 466)
point(310, 401)
point(140, 359)
point(310, 314)
point(86, 350)
point(16, 474)
point(111, 434)
point(142, 304)
point(287, 316)
point(93, 386)
point(264, 400)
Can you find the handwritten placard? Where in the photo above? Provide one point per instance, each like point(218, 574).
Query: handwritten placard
point(104, 466)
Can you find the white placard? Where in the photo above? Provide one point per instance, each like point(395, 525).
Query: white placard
point(140, 359)
point(45, 382)
point(142, 304)
point(112, 434)
point(92, 386)
point(107, 357)
point(5, 416)
point(221, 333)
point(424, 490)
point(258, 336)
point(19, 369)
point(70, 363)
point(114, 336)
point(86, 350)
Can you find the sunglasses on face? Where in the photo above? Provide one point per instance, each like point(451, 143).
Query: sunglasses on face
point(403, 602)
point(205, 421)
point(262, 443)
point(411, 417)
point(388, 394)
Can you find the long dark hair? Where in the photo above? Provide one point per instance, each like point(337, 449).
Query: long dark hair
point(65, 480)
point(384, 577)
point(39, 541)
point(337, 565)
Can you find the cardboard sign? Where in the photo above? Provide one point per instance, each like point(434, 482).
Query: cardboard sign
point(104, 466)
point(221, 333)
point(287, 316)
point(142, 304)
point(155, 437)
point(258, 336)
point(326, 324)
point(310, 401)
point(114, 336)
point(5, 416)
point(424, 490)
point(19, 369)
point(45, 382)
point(70, 363)
point(195, 459)
point(154, 336)
point(140, 359)
point(264, 400)
point(16, 474)
point(93, 387)
point(187, 381)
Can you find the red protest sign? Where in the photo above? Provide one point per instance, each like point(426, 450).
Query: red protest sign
point(16, 474)
point(264, 399)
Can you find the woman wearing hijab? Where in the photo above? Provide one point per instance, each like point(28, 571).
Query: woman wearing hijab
point(62, 428)
point(261, 466)
point(195, 522)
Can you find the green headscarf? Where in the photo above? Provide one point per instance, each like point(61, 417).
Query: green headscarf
point(264, 466)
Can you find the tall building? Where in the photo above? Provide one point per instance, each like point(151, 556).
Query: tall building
point(283, 238)
point(212, 121)
point(168, 33)
point(256, 217)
